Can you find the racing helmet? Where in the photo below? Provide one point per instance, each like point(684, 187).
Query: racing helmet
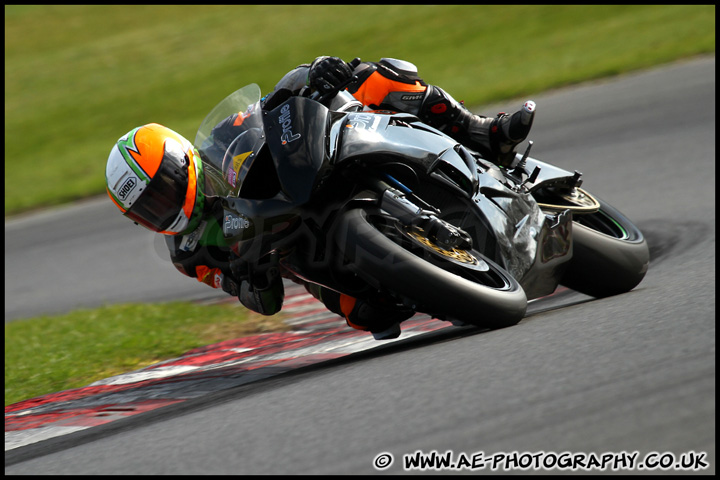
point(155, 178)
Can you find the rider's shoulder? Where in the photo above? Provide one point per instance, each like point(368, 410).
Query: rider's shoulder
point(401, 67)
point(392, 68)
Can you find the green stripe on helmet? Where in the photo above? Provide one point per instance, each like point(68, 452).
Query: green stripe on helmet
point(199, 209)
point(125, 146)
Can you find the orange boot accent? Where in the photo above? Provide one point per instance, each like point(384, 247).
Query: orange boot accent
point(347, 303)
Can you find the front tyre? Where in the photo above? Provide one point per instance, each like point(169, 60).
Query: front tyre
point(610, 254)
point(458, 285)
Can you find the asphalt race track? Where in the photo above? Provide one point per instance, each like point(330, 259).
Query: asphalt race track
point(634, 373)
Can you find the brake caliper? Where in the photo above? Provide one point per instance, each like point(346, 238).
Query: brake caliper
point(443, 233)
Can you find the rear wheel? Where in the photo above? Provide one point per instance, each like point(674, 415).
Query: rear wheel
point(455, 284)
point(610, 254)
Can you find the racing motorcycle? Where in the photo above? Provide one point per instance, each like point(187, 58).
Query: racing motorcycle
point(378, 205)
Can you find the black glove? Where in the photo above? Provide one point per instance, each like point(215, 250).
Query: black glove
point(266, 299)
point(326, 73)
point(229, 285)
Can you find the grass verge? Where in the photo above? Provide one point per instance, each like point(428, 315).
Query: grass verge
point(48, 354)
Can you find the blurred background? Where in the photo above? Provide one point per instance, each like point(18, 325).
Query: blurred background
point(78, 77)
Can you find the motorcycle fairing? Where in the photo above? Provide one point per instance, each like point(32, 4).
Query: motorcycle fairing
point(533, 245)
point(550, 175)
point(555, 249)
point(294, 142)
point(515, 218)
point(296, 135)
point(380, 135)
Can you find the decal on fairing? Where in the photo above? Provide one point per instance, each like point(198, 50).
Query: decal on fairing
point(233, 171)
point(234, 224)
point(286, 123)
point(364, 121)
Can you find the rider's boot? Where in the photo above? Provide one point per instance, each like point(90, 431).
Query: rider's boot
point(494, 138)
point(378, 317)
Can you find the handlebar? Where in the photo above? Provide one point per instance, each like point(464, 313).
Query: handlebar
point(321, 98)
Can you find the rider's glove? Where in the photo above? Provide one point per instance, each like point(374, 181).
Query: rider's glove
point(266, 299)
point(229, 285)
point(326, 73)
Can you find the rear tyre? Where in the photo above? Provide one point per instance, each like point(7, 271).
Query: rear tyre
point(610, 254)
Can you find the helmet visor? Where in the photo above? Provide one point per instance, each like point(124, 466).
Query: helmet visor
point(162, 201)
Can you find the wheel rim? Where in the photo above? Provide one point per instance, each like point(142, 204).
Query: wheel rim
point(578, 201)
point(464, 263)
point(603, 223)
point(464, 257)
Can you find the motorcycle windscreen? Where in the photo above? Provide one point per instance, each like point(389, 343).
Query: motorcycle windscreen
point(228, 152)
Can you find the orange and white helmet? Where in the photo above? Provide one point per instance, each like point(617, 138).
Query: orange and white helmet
point(154, 176)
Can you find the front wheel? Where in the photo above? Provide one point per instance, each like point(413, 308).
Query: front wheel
point(610, 254)
point(448, 284)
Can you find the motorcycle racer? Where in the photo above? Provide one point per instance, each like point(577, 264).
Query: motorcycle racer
point(155, 177)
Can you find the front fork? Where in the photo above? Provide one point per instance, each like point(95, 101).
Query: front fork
point(408, 213)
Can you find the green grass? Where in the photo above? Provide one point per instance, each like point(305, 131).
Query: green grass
point(53, 353)
point(78, 77)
